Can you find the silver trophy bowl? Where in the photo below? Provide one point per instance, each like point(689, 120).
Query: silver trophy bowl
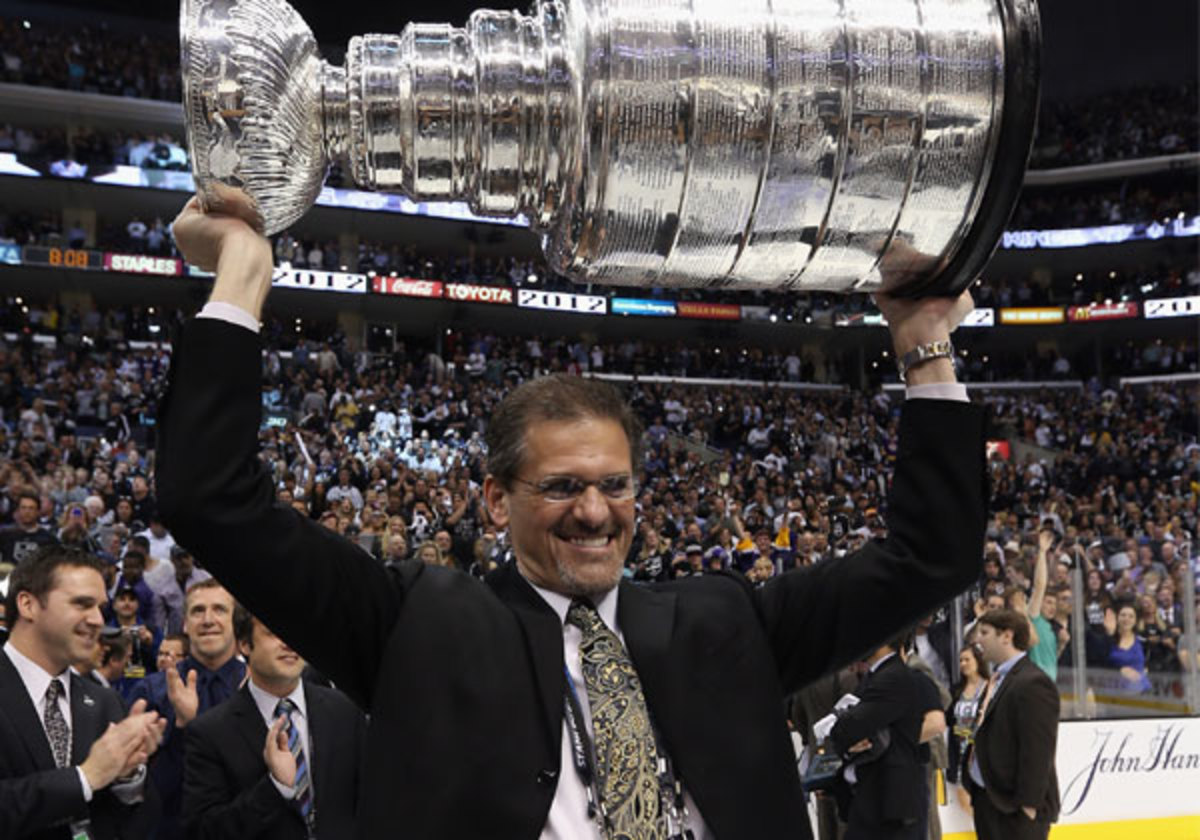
point(833, 145)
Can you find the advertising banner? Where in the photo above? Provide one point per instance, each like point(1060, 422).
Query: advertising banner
point(1103, 311)
point(407, 287)
point(561, 302)
point(1032, 315)
point(479, 294)
point(708, 311)
point(1123, 778)
point(1180, 307)
point(143, 264)
point(643, 306)
point(319, 281)
point(985, 317)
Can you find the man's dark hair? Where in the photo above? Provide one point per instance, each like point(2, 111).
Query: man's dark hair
point(38, 574)
point(141, 542)
point(243, 627)
point(29, 494)
point(179, 637)
point(115, 646)
point(1000, 620)
point(558, 397)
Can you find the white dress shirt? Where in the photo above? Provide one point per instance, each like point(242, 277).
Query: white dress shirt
point(37, 680)
point(266, 704)
point(568, 818)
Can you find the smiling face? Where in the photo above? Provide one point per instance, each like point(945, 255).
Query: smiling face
point(62, 628)
point(273, 665)
point(576, 547)
point(208, 623)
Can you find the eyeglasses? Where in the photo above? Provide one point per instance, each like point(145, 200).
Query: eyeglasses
point(568, 488)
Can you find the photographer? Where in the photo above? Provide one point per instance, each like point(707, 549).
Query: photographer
point(144, 639)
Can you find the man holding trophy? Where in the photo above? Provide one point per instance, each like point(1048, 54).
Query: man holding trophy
point(554, 700)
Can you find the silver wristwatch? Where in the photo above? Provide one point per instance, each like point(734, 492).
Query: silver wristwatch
point(922, 353)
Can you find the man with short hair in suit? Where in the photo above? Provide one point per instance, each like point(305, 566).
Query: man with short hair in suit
point(280, 759)
point(481, 694)
point(887, 794)
point(71, 760)
point(1010, 771)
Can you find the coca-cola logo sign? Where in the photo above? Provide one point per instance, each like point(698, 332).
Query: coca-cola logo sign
point(407, 286)
point(479, 294)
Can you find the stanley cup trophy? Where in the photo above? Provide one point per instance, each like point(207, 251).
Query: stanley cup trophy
point(835, 145)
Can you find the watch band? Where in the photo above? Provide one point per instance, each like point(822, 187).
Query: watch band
point(922, 353)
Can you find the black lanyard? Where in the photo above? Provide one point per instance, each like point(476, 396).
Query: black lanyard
point(583, 755)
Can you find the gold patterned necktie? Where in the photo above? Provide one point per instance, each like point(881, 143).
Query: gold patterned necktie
point(626, 754)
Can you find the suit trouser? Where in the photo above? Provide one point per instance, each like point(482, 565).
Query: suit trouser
point(858, 829)
point(993, 824)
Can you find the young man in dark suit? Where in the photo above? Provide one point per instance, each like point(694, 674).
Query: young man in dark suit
point(71, 760)
point(467, 682)
point(242, 779)
point(1011, 773)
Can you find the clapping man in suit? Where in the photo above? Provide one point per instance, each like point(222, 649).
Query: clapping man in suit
point(280, 760)
point(1010, 772)
point(71, 760)
point(485, 696)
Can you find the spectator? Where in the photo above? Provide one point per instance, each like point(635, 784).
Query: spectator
point(1126, 652)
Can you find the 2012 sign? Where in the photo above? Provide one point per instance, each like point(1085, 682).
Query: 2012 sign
point(561, 302)
point(1180, 307)
point(320, 281)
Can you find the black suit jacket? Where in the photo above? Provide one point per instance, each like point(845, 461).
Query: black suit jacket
point(39, 801)
point(227, 791)
point(1016, 743)
point(463, 679)
point(889, 788)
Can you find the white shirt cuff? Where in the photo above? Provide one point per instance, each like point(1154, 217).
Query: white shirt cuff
point(933, 391)
point(87, 789)
point(285, 791)
point(230, 313)
point(130, 792)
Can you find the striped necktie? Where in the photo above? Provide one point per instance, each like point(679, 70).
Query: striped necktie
point(626, 754)
point(303, 782)
point(56, 725)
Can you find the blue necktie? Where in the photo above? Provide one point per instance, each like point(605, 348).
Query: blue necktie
point(302, 784)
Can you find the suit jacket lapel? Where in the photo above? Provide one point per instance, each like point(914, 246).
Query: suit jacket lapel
point(86, 722)
point(15, 703)
point(544, 642)
point(248, 722)
point(646, 617)
point(1002, 689)
point(320, 722)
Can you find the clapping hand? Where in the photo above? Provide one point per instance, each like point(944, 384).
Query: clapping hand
point(123, 746)
point(279, 759)
point(183, 696)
